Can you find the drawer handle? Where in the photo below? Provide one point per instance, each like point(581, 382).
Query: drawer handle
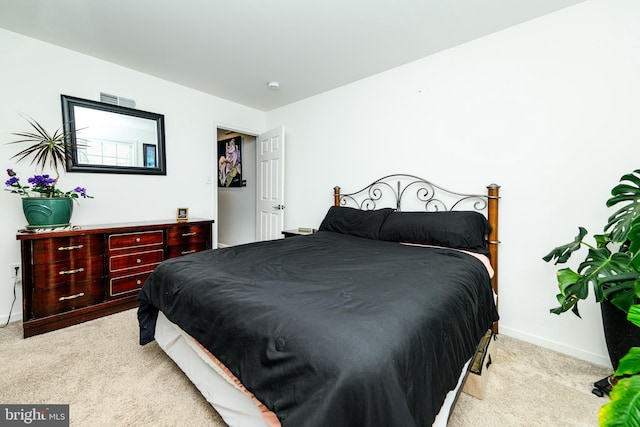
point(188, 252)
point(193, 233)
point(70, 248)
point(81, 294)
point(77, 270)
point(138, 260)
point(137, 240)
point(138, 282)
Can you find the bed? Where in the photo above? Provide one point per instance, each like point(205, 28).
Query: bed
point(372, 320)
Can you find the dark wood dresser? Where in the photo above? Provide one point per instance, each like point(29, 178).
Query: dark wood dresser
point(71, 276)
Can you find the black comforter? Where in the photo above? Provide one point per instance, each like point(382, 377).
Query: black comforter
point(330, 329)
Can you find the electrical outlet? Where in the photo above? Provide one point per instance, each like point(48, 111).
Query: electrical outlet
point(15, 271)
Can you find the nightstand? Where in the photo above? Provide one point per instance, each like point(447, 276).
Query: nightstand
point(298, 232)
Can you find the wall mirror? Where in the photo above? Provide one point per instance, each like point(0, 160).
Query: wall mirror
point(108, 138)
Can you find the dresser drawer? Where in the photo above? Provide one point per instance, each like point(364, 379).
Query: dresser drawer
point(126, 284)
point(138, 239)
point(71, 271)
point(176, 251)
point(181, 235)
point(66, 248)
point(136, 260)
point(67, 297)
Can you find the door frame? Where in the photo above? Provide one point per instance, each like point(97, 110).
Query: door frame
point(214, 180)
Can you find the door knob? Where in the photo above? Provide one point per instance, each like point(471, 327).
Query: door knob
point(279, 207)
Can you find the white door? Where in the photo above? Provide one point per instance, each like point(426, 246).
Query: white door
point(270, 185)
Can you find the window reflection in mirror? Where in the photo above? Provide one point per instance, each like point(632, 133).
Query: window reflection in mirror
point(113, 139)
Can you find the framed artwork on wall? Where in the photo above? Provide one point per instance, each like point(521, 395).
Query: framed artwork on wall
point(230, 162)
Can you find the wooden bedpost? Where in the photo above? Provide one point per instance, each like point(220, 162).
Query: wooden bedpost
point(492, 215)
point(336, 196)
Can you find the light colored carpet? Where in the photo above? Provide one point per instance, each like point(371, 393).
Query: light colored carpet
point(109, 380)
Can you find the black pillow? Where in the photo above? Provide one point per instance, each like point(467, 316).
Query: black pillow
point(454, 229)
point(355, 222)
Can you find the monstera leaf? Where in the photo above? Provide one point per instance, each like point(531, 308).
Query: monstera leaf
point(624, 407)
point(634, 243)
point(562, 253)
point(619, 224)
point(572, 289)
point(605, 272)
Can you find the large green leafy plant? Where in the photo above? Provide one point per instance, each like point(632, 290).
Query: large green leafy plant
point(612, 269)
point(612, 264)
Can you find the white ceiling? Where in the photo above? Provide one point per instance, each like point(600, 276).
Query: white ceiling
point(232, 48)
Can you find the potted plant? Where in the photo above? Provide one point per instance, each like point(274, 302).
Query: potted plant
point(623, 409)
point(611, 268)
point(44, 204)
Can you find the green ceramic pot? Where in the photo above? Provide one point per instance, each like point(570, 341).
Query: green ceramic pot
point(46, 212)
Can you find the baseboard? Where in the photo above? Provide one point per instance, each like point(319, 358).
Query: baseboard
point(556, 346)
point(15, 317)
point(223, 245)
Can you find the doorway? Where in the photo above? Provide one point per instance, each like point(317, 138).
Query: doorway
point(236, 220)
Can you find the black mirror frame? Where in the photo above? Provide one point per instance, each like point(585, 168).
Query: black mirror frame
point(68, 119)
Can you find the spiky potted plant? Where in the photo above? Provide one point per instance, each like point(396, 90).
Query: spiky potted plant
point(43, 203)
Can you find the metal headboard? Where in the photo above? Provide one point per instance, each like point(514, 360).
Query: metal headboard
point(395, 191)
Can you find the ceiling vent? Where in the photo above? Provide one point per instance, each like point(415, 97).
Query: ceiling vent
point(117, 100)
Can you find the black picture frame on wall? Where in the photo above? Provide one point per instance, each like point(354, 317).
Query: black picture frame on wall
point(149, 153)
point(230, 162)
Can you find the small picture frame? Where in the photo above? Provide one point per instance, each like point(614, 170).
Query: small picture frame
point(182, 214)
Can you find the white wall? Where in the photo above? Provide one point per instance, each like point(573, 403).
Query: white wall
point(549, 109)
point(33, 76)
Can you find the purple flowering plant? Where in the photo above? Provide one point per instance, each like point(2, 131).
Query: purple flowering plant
point(42, 185)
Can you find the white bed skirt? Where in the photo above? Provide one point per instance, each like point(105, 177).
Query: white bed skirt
point(236, 405)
